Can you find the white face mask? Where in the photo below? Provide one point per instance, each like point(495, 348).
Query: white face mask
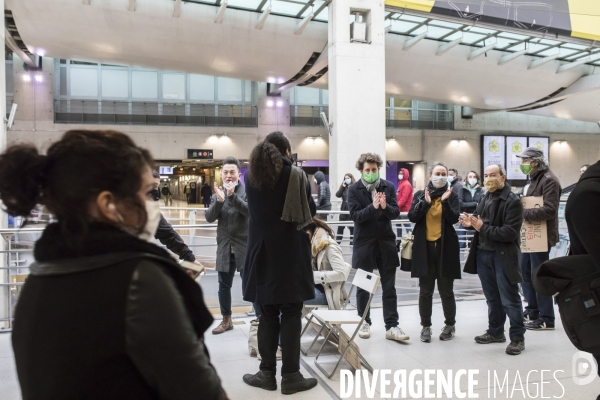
point(472, 182)
point(439, 181)
point(152, 221)
point(400, 177)
point(450, 179)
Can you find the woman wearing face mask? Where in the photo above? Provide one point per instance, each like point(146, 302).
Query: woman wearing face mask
point(343, 194)
point(468, 197)
point(103, 312)
point(435, 253)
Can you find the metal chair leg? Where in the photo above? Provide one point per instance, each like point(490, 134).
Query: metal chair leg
point(313, 342)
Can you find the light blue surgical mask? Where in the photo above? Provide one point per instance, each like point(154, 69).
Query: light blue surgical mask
point(348, 181)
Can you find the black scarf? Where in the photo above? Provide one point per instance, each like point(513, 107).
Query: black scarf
point(435, 193)
point(102, 239)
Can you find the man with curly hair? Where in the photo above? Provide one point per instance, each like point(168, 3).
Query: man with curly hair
point(372, 204)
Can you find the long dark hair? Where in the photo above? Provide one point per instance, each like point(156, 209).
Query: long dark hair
point(476, 176)
point(265, 160)
point(352, 180)
point(76, 169)
point(319, 223)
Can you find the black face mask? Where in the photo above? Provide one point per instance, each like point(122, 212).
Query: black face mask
point(155, 194)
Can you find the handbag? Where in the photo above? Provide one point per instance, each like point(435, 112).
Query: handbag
point(253, 338)
point(406, 244)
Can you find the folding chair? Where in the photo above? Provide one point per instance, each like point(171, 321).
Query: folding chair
point(332, 320)
point(313, 307)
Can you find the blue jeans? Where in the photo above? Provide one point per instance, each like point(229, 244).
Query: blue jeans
point(225, 284)
point(319, 300)
point(502, 296)
point(538, 306)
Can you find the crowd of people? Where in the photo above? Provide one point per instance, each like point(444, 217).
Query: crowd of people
point(110, 315)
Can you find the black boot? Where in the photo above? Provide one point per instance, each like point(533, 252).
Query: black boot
point(293, 383)
point(262, 379)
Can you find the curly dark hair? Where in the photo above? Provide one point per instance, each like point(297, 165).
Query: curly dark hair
point(76, 169)
point(371, 158)
point(265, 160)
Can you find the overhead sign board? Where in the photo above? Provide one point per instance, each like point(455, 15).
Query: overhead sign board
point(165, 170)
point(199, 154)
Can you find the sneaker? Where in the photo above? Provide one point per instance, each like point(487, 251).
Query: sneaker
point(426, 334)
point(539, 325)
point(365, 331)
point(447, 332)
point(487, 338)
point(516, 347)
point(395, 333)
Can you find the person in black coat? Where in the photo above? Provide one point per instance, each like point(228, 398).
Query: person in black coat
point(323, 201)
point(435, 251)
point(278, 271)
point(104, 313)
point(372, 203)
point(343, 194)
point(582, 215)
point(468, 197)
point(494, 256)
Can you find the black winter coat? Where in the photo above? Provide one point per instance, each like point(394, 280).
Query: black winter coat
point(324, 194)
point(583, 215)
point(167, 236)
point(343, 194)
point(278, 267)
point(468, 202)
point(373, 227)
point(449, 262)
point(110, 316)
point(504, 232)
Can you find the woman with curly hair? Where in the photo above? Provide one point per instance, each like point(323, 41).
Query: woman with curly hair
point(279, 276)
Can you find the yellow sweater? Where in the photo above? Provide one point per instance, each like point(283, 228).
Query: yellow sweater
point(433, 220)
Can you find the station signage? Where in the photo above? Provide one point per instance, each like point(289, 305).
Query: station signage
point(165, 170)
point(200, 154)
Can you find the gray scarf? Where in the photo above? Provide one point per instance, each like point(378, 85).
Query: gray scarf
point(371, 187)
point(295, 207)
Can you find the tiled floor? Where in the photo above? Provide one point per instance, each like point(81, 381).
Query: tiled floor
point(547, 350)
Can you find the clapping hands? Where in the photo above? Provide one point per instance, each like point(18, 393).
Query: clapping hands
point(219, 192)
point(379, 200)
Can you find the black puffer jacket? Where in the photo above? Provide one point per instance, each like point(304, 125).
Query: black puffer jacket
point(343, 194)
point(109, 316)
point(467, 201)
point(324, 195)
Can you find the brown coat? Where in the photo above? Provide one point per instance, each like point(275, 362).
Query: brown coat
point(546, 184)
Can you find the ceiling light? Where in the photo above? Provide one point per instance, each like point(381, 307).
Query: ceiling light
point(26, 78)
point(270, 103)
point(39, 78)
point(279, 103)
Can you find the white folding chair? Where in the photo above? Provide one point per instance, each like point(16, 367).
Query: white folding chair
point(332, 320)
point(312, 307)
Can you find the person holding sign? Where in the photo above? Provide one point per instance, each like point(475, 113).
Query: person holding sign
point(494, 256)
point(539, 313)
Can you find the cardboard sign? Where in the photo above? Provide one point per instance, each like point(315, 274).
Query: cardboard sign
point(351, 356)
point(534, 234)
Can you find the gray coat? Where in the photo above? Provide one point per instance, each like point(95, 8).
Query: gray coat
point(232, 230)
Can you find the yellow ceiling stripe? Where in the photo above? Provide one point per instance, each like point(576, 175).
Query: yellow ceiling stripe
point(585, 19)
point(418, 5)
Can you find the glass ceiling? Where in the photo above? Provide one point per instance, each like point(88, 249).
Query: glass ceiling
point(287, 8)
point(410, 25)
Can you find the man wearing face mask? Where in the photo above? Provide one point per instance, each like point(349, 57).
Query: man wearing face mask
point(494, 256)
point(453, 181)
point(230, 207)
point(165, 232)
point(539, 312)
point(324, 194)
point(372, 205)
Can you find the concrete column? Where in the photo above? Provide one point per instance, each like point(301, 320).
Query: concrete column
point(356, 87)
point(4, 290)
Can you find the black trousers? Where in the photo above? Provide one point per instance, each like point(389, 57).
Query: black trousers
point(277, 320)
point(390, 299)
point(427, 287)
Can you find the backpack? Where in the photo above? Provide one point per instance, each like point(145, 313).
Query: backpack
point(165, 191)
point(575, 282)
